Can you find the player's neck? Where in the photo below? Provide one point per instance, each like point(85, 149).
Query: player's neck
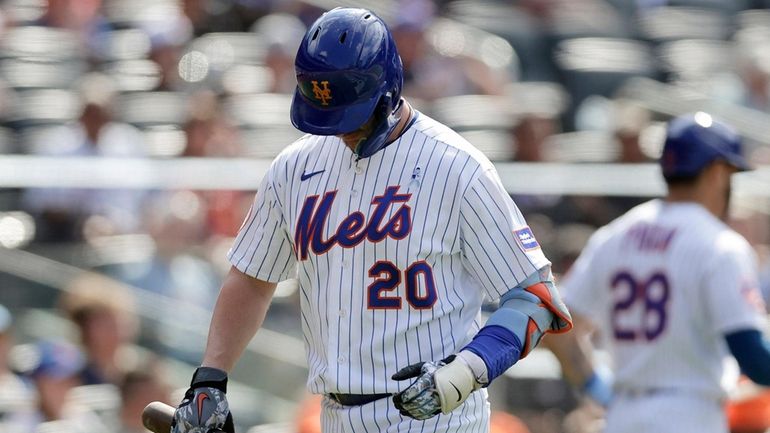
point(695, 196)
point(711, 189)
point(404, 112)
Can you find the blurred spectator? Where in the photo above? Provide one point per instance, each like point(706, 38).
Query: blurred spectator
point(282, 33)
point(568, 242)
point(754, 71)
point(103, 314)
point(429, 74)
point(81, 17)
point(208, 131)
point(169, 30)
point(630, 119)
point(16, 397)
point(530, 134)
point(62, 213)
point(212, 16)
point(54, 374)
point(176, 221)
point(210, 134)
point(138, 388)
point(76, 15)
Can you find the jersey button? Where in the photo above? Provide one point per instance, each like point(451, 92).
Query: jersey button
point(344, 263)
point(341, 359)
point(359, 169)
point(343, 313)
point(354, 193)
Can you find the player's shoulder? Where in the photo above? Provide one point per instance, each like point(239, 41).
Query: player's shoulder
point(299, 147)
point(701, 231)
point(728, 241)
point(452, 143)
point(703, 227)
point(298, 150)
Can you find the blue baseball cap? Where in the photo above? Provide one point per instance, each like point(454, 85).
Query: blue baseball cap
point(58, 359)
point(695, 140)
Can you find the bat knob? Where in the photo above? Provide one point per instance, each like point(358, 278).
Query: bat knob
point(157, 417)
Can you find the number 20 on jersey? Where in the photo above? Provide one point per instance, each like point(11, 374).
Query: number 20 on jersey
point(387, 278)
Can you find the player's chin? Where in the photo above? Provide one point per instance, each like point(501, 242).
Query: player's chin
point(354, 136)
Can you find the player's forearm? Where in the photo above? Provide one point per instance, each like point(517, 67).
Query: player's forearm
point(573, 357)
point(574, 352)
point(238, 314)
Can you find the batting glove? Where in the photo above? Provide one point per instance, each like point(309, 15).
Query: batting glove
point(441, 386)
point(204, 408)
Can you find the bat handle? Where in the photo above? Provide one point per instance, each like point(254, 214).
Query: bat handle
point(157, 417)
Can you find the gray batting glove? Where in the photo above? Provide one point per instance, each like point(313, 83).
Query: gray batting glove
point(204, 408)
point(441, 387)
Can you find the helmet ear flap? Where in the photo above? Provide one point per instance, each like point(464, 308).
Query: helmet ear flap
point(387, 105)
point(385, 121)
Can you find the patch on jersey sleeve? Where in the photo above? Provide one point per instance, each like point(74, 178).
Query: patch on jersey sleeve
point(753, 296)
point(526, 238)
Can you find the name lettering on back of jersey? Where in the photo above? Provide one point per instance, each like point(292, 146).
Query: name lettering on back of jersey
point(526, 238)
point(650, 237)
point(354, 228)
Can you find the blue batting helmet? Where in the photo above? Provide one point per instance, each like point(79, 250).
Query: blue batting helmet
point(695, 140)
point(348, 70)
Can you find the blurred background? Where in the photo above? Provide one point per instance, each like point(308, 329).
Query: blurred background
point(133, 134)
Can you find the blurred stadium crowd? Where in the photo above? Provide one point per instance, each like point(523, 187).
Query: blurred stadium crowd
point(108, 289)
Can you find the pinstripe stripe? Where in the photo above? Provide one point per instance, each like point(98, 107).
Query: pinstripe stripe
point(506, 236)
point(417, 203)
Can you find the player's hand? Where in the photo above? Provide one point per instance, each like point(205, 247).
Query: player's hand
point(204, 408)
point(441, 387)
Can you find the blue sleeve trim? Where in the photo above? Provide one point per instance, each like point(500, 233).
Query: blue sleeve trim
point(498, 347)
point(752, 351)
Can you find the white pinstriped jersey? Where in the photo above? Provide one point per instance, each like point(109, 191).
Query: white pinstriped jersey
point(666, 282)
point(394, 253)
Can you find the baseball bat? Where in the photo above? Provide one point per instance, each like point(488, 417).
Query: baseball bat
point(157, 417)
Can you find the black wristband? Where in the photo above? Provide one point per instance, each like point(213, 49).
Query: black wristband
point(209, 377)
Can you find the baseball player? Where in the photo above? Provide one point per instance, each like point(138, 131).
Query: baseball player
point(397, 228)
point(674, 290)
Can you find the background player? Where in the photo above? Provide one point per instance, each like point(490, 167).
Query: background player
point(398, 228)
point(670, 283)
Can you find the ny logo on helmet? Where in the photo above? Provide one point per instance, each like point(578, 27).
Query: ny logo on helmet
point(323, 93)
